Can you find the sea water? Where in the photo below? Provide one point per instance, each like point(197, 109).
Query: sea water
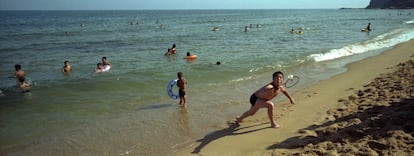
point(127, 111)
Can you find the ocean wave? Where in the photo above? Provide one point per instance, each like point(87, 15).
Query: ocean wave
point(409, 22)
point(382, 41)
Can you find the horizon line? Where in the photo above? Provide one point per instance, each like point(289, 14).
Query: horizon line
point(172, 9)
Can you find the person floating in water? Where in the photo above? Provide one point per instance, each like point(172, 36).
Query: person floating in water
point(368, 28)
point(24, 86)
point(168, 53)
point(66, 68)
point(173, 49)
point(19, 73)
point(105, 62)
point(99, 68)
point(262, 98)
point(190, 56)
point(21, 78)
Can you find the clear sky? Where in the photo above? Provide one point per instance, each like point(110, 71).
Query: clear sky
point(177, 4)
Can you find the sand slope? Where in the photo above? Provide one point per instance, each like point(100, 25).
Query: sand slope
point(376, 120)
point(362, 111)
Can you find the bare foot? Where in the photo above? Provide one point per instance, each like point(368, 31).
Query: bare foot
point(274, 125)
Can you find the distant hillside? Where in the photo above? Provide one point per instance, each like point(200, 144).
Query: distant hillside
point(391, 4)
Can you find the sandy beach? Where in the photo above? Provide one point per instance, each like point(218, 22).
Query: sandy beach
point(364, 111)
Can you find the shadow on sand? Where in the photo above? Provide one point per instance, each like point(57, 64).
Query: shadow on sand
point(157, 106)
point(231, 130)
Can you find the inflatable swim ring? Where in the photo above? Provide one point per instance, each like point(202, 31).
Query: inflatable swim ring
point(365, 30)
point(191, 57)
point(106, 68)
point(170, 86)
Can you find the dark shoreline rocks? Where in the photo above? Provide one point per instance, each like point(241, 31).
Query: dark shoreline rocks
point(391, 4)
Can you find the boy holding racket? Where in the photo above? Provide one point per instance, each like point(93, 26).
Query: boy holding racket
point(262, 98)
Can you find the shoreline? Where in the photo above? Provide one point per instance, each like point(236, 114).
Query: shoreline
point(313, 105)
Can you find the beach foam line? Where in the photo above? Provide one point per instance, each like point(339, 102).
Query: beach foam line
point(409, 22)
point(380, 42)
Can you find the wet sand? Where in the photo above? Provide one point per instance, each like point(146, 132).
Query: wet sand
point(367, 110)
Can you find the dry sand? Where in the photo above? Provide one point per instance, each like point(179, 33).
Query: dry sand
point(368, 110)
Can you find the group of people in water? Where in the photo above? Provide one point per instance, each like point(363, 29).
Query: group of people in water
point(21, 78)
point(100, 67)
point(103, 66)
point(173, 50)
point(300, 32)
point(20, 75)
point(251, 26)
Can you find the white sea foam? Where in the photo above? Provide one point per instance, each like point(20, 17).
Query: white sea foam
point(241, 79)
point(409, 22)
point(382, 41)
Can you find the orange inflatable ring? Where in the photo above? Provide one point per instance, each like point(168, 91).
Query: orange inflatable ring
point(191, 57)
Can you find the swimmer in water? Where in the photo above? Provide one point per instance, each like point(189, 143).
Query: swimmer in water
point(368, 28)
point(173, 49)
point(24, 86)
point(99, 68)
point(19, 73)
point(105, 62)
point(168, 53)
point(66, 68)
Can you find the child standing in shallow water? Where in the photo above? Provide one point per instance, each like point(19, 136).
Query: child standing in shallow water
point(262, 98)
point(182, 84)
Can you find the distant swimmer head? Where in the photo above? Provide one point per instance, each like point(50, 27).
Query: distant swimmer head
point(17, 67)
point(188, 54)
point(218, 63)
